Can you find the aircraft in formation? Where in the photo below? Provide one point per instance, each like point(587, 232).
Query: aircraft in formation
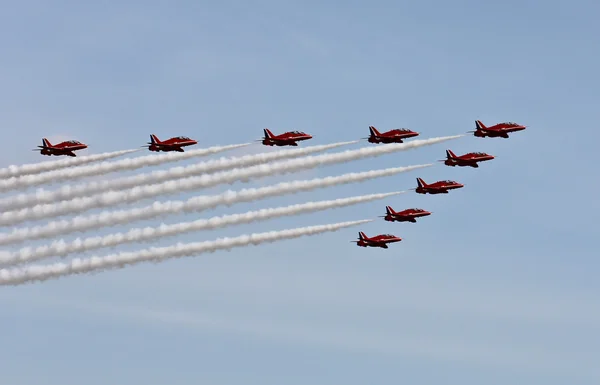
point(62, 148)
point(500, 130)
point(469, 159)
point(376, 241)
point(408, 215)
point(439, 187)
point(291, 138)
point(172, 144)
point(391, 136)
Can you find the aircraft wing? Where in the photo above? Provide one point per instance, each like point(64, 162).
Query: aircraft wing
point(171, 146)
point(286, 140)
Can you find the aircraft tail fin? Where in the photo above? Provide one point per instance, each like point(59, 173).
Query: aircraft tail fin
point(46, 143)
point(479, 125)
point(362, 235)
point(421, 183)
point(374, 131)
point(450, 154)
point(389, 210)
point(154, 139)
point(268, 133)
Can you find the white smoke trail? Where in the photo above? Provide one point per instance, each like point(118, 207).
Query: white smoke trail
point(61, 248)
point(69, 174)
point(36, 168)
point(195, 204)
point(112, 198)
point(69, 192)
point(33, 273)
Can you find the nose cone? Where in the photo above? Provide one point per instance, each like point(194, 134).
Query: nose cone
point(308, 136)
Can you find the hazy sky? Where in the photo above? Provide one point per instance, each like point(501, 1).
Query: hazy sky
point(498, 286)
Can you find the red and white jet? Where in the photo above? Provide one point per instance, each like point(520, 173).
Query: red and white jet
point(377, 241)
point(408, 215)
point(500, 130)
point(62, 148)
point(440, 187)
point(173, 144)
point(391, 136)
point(469, 159)
point(286, 139)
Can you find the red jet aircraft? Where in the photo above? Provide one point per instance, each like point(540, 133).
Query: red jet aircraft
point(408, 215)
point(499, 130)
point(377, 241)
point(392, 136)
point(286, 139)
point(62, 148)
point(469, 159)
point(440, 187)
point(173, 144)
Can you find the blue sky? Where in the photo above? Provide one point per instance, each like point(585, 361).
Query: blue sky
point(498, 286)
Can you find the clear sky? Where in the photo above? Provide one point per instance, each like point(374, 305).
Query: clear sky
point(498, 286)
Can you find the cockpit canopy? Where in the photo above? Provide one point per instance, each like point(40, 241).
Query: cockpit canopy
point(511, 124)
point(418, 210)
point(182, 138)
point(297, 133)
point(389, 236)
point(73, 142)
point(479, 153)
point(449, 182)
